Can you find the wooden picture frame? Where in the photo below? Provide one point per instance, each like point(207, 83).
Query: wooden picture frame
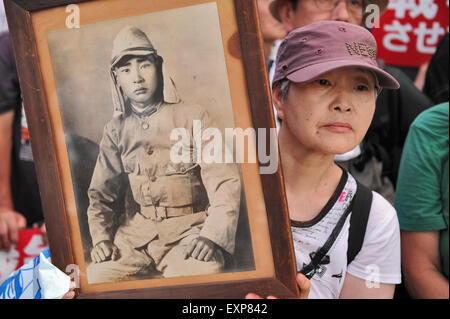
point(31, 23)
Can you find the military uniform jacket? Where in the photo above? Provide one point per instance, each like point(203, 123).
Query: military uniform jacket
point(135, 149)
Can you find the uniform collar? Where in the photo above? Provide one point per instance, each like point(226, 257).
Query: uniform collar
point(149, 110)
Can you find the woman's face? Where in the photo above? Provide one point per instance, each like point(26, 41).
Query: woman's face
point(139, 80)
point(331, 113)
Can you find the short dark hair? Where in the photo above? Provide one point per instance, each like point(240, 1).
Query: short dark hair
point(284, 88)
point(124, 60)
point(294, 4)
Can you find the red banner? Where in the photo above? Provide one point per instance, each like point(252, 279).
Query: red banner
point(410, 31)
point(29, 246)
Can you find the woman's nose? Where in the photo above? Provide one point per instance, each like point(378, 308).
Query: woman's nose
point(343, 101)
point(342, 108)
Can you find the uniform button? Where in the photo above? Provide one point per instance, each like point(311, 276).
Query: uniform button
point(150, 151)
point(153, 179)
point(145, 126)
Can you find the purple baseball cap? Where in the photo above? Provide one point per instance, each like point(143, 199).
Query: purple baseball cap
point(324, 46)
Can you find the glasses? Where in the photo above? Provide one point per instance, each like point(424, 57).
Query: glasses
point(354, 7)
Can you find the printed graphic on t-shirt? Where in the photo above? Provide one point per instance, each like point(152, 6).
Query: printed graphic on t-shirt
point(25, 153)
point(328, 277)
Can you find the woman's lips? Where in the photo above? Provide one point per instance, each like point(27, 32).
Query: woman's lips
point(339, 127)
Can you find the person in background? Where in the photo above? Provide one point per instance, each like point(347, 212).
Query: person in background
point(20, 204)
point(419, 82)
point(436, 80)
point(422, 191)
point(272, 30)
point(3, 22)
point(325, 95)
point(422, 203)
point(375, 162)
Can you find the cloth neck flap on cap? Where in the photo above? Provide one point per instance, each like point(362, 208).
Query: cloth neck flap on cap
point(132, 41)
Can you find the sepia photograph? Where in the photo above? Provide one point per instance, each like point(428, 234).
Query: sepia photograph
point(125, 91)
point(152, 132)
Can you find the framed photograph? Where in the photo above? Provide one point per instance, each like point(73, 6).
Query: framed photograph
point(153, 137)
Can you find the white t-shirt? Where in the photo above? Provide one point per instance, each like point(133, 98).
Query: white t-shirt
point(379, 258)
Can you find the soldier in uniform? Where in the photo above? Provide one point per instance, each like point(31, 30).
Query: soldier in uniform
point(187, 212)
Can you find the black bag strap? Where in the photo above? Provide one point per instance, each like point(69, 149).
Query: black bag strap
point(362, 202)
point(318, 256)
point(360, 209)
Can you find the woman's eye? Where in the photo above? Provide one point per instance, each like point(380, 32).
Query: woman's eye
point(323, 82)
point(362, 87)
point(356, 3)
point(125, 70)
point(146, 65)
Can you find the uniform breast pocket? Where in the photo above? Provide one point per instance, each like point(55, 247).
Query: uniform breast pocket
point(132, 169)
point(131, 166)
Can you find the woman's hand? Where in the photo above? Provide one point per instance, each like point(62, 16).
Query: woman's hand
point(303, 283)
point(71, 293)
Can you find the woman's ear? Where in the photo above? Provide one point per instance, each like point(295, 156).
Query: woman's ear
point(278, 100)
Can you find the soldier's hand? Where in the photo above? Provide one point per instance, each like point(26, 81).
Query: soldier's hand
point(10, 224)
point(105, 251)
point(201, 249)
